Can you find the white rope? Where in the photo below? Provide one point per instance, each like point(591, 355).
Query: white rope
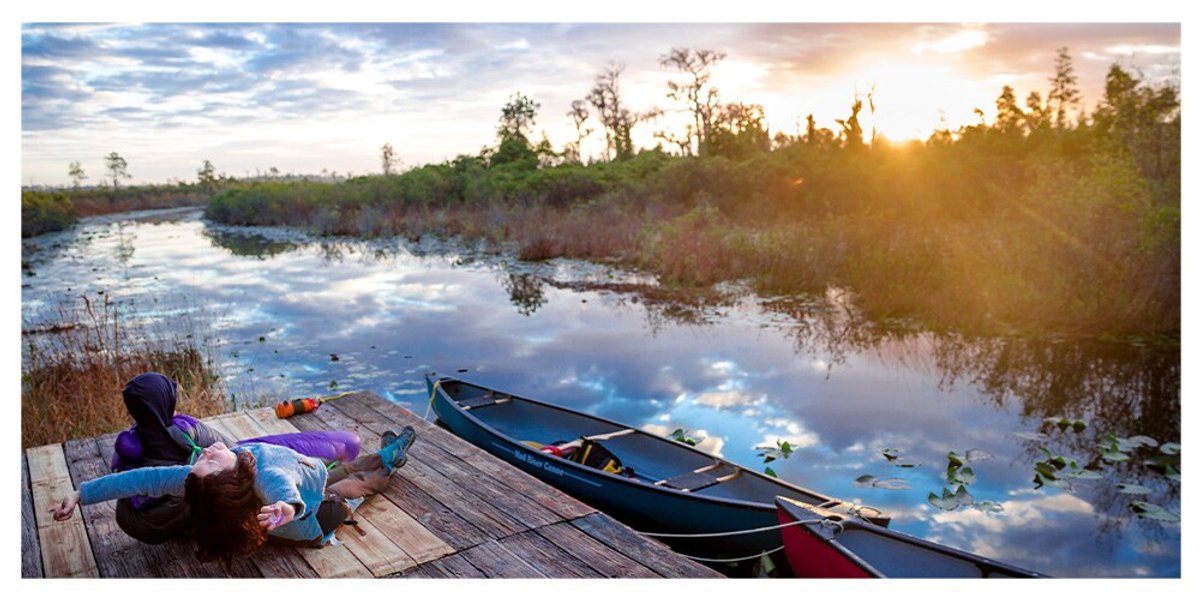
point(827, 522)
point(738, 559)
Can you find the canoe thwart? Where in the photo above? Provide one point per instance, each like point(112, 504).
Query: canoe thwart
point(488, 399)
point(600, 437)
point(701, 478)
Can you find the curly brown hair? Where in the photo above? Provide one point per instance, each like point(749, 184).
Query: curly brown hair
point(223, 508)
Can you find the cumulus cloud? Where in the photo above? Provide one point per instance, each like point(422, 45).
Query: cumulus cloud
point(708, 443)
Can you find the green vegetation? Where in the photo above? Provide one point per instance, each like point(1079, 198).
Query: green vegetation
point(42, 212)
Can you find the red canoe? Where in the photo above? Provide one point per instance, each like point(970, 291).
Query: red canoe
point(827, 544)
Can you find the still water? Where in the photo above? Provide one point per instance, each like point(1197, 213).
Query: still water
point(870, 413)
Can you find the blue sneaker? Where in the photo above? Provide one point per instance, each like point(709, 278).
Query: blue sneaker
point(395, 447)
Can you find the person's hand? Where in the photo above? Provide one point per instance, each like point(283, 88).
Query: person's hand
point(63, 511)
point(275, 515)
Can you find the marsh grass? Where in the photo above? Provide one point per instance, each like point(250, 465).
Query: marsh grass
point(75, 365)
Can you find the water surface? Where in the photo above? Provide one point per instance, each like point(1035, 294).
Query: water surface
point(288, 315)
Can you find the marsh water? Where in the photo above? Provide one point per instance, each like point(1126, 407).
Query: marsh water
point(869, 412)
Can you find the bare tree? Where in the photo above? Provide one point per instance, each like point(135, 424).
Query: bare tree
point(388, 156)
point(206, 175)
point(1064, 90)
point(617, 120)
point(579, 116)
point(701, 98)
point(117, 165)
point(75, 170)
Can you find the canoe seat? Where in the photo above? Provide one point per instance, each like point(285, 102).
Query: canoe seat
point(487, 399)
point(701, 478)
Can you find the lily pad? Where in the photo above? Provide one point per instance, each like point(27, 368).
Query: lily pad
point(1032, 436)
point(988, 507)
point(1040, 479)
point(1172, 474)
point(955, 460)
point(1169, 448)
point(965, 475)
point(975, 455)
point(1146, 510)
point(946, 501)
point(1133, 489)
point(1115, 456)
point(1083, 474)
point(1143, 440)
point(891, 483)
point(865, 480)
point(963, 496)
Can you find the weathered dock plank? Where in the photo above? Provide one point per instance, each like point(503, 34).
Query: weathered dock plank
point(117, 554)
point(413, 538)
point(574, 542)
point(31, 551)
point(654, 555)
point(265, 417)
point(334, 562)
point(548, 558)
point(242, 426)
point(537, 492)
point(373, 548)
point(64, 544)
point(454, 566)
point(496, 561)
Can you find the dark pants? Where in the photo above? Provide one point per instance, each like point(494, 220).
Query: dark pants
point(154, 523)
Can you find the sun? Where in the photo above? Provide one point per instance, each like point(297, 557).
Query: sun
point(912, 100)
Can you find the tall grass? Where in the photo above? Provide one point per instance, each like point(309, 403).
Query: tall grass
point(76, 362)
point(43, 212)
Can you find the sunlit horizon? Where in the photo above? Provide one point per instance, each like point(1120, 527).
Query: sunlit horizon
point(323, 98)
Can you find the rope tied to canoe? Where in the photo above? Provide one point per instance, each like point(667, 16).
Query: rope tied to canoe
point(830, 523)
point(437, 385)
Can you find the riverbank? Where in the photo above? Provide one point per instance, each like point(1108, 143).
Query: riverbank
point(956, 237)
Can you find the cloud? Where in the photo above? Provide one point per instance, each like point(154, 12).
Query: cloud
point(708, 443)
point(442, 84)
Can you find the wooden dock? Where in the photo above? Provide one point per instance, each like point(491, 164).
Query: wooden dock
point(453, 511)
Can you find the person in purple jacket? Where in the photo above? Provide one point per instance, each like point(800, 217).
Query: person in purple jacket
point(162, 437)
point(239, 497)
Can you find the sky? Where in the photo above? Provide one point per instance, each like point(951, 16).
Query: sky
point(311, 97)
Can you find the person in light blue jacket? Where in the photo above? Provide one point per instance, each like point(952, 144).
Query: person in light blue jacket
point(240, 497)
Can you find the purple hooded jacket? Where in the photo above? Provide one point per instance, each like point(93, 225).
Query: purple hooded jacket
point(161, 437)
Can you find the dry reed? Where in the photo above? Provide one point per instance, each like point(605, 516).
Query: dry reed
point(73, 370)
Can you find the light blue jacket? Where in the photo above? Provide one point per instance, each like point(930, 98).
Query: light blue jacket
point(283, 474)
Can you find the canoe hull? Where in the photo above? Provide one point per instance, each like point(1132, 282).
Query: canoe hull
point(647, 508)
